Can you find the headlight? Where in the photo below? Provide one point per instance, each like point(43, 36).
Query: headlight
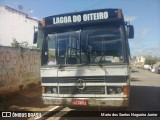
point(119, 90)
point(115, 90)
point(48, 89)
point(111, 90)
point(54, 90)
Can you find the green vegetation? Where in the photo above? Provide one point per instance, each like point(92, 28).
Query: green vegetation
point(15, 43)
point(151, 60)
point(19, 45)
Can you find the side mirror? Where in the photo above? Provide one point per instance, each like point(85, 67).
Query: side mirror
point(35, 37)
point(130, 31)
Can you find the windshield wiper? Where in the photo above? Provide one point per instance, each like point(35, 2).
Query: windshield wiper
point(99, 63)
point(60, 67)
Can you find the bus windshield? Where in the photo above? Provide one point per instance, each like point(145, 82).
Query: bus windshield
point(87, 46)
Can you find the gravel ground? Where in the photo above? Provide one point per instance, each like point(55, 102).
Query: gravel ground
point(25, 100)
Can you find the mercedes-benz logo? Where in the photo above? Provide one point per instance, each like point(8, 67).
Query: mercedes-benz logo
point(81, 84)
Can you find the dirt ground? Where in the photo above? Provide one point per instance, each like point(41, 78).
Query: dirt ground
point(25, 100)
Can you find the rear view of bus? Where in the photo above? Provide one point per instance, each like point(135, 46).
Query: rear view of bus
point(85, 59)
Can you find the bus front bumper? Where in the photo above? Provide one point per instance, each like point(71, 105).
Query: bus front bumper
point(88, 102)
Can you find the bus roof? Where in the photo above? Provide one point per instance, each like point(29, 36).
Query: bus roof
point(83, 17)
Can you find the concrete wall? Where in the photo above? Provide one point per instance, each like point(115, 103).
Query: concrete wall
point(18, 68)
point(15, 25)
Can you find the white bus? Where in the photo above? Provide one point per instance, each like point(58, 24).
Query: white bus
point(85, 58)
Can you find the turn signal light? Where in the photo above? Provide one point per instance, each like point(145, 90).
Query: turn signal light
point(43, 89)
point(125, 90)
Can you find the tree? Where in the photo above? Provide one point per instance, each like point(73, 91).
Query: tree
point(150, 60)
point(134, 58)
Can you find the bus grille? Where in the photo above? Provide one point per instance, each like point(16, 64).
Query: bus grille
point(86, 90)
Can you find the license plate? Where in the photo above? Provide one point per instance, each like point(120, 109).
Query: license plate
point(79, 102)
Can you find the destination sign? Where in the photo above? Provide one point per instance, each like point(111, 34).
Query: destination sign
point(83, 17)
point(80, 18)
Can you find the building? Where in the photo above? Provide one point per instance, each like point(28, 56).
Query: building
point(140, 59)
point(16, 25)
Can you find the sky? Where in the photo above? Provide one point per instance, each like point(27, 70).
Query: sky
point(144, 15)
